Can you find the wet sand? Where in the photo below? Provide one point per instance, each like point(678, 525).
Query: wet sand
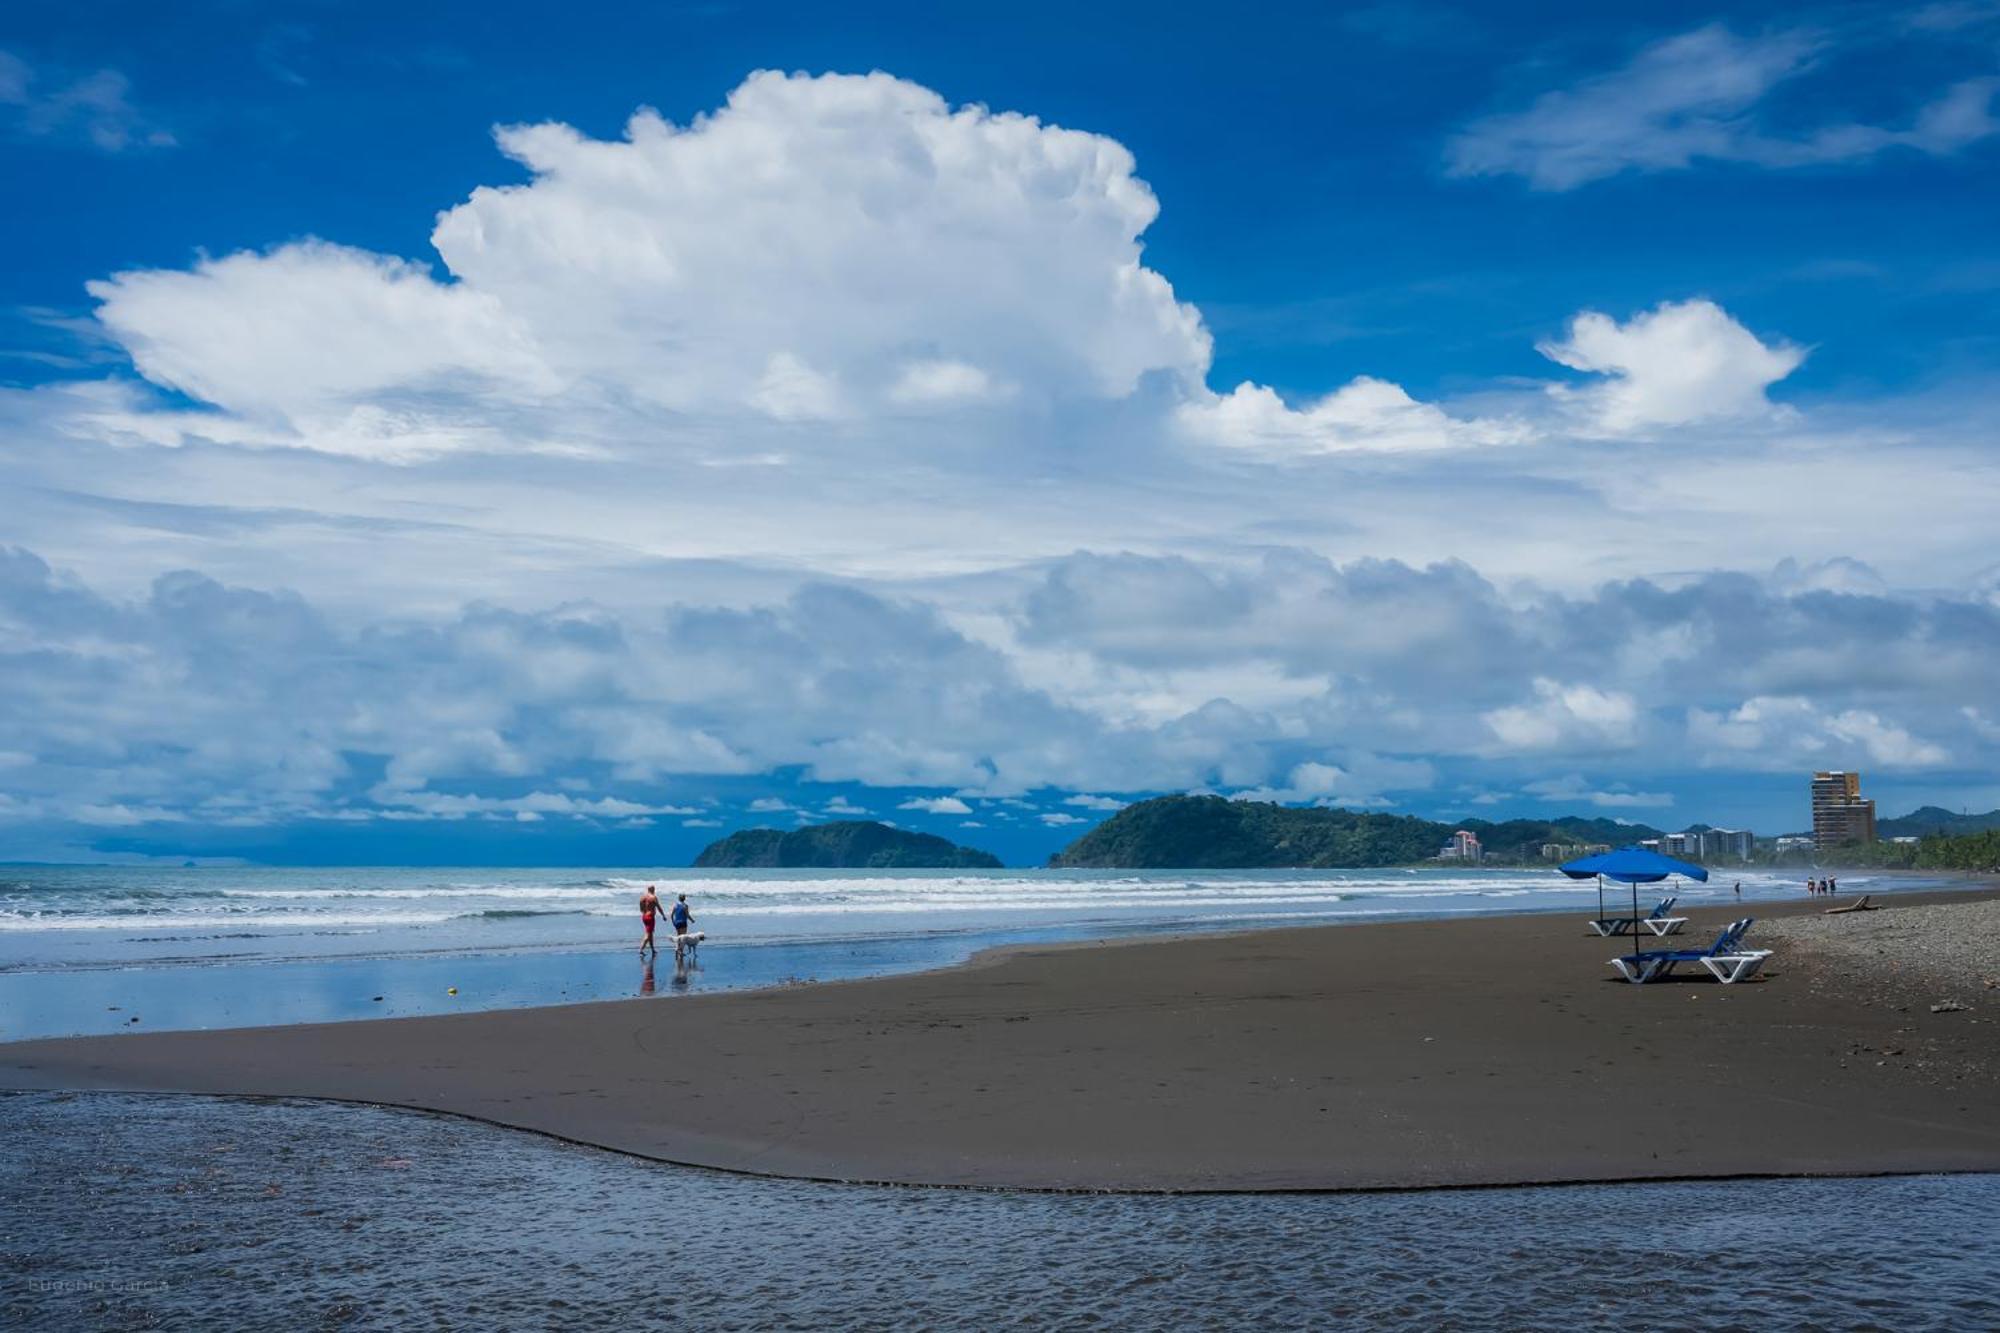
point(1465, 1052)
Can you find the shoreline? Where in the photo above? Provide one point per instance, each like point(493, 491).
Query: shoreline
point(96, 994)
point(1061, 1191)
point(1391, 1056)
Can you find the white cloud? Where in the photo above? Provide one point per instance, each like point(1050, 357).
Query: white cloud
point(323, 344)
point(1984, 727)
point(815, 250)
point(1573, 789)
point(937, 383)
point(701, 823)
point(937, 805)
point(1061, 819)
point(1952, 15)
point(95, 108)
point(526, 809)
point(1780, 732)
point(1680, 363)
point(1566, 716)
point(1694, 97)
point(840, 805)
point(1884, 742)
point(1365, 414)
point(790, 390)
point(1085, 801)
point(1361, 783)
point(767, 805)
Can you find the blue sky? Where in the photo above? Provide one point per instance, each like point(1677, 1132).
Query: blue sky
point(1455, 410)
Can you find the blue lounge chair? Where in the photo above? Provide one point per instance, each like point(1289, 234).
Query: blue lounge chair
point(1656, 921)
point(1726, 960)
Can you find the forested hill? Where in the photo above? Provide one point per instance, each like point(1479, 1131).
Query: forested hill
point(1211, 833)
point(1931, 819)
point(1515, 839)
point(852, 844)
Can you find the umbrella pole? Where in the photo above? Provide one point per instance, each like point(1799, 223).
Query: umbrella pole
point(1638, 936)
point(1600, 902)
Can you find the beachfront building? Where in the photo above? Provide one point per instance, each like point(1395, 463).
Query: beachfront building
point(1840, 813)
point(1726, 844)
point(1703, 844)
point(1795, 842)
point(1570, 851)
point(1464, 846)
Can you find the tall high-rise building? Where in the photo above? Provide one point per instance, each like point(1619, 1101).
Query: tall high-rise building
point(1840, 813)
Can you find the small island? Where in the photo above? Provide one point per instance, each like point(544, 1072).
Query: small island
point(860, 844)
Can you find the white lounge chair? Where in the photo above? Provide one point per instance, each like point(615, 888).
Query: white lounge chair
point(1656, 921)
point(1725, 959)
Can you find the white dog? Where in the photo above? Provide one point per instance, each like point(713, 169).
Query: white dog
point(685, 945)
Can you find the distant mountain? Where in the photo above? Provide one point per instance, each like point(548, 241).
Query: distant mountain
point(1522, 839)
point(861, 844)
point(1212, 833)
point(1932, 819)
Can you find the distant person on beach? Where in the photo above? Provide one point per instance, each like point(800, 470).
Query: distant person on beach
point(649, 906)
point(681, 916)
point(1739, 890)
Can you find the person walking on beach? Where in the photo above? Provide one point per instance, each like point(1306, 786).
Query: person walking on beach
point(1739, 890)
point(649, 906)
point(681, 916)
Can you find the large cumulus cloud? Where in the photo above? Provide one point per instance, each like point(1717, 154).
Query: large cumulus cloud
point(818, 252)
point(817, 249)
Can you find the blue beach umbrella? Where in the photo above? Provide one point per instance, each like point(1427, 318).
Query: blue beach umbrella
point(1630, 865)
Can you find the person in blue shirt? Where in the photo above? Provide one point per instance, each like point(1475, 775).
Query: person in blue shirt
point(680, 916)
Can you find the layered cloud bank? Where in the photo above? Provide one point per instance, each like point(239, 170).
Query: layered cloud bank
point(1289, 677)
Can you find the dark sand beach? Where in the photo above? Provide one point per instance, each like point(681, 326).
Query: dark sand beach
point(1434, 1053)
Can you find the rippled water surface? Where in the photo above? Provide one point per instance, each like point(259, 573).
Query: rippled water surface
point(141, 1212)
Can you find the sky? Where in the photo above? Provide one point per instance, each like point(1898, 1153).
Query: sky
point(476, 434)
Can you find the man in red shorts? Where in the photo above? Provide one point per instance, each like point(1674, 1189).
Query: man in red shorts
point(649, 907)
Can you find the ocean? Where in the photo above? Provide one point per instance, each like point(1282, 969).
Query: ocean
point(102, 949)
